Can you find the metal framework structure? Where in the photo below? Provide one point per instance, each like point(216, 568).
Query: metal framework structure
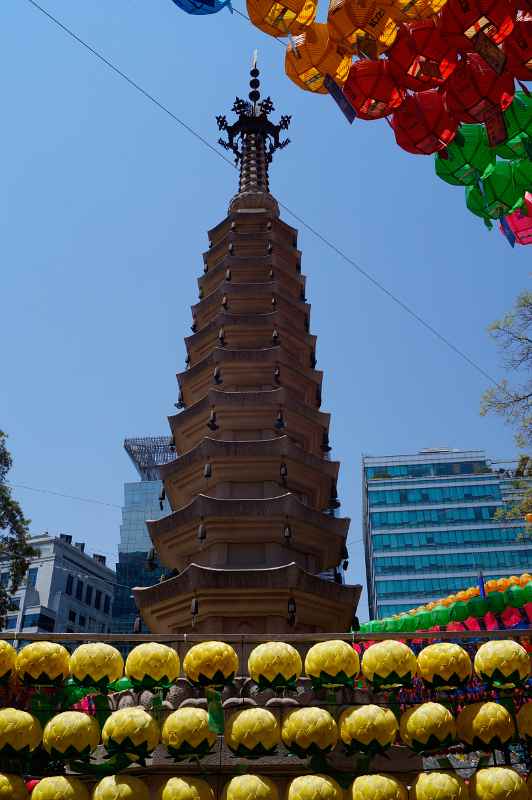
point(148, 453)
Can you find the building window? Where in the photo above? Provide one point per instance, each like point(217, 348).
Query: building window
point(32, 577)
point(106, 604)
point(98, 599)
point(14, 602)
point(92, 624)
point(30, 620)
point(88, 595)
point(11, 623)
point(71, 615)
point(69, 585)
point(79, 590)
point(82, 621)
point(102, 627)
point(46, 623)
point(4, 579)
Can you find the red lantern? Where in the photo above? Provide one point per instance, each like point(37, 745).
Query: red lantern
point(475, 91)
point(518, 48)
point(372, 89)
point(423, 125)
point(422, 58)
point(461, 20)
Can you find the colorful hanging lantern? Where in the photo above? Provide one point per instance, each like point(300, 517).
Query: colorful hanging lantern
point(389, 663)
point(501, 193)
point(502, 663)
point(360, 28)
point(275, 665)
point(20, 732)
point(43, 663)
point(186, 733)
point(421, 57)
point(474, 90)
point(518, 122)
point(444, 665)
point(309, 731)
point(518, 48)
point(372, 90)
point(377, 787)
point(520, 225)
point(485, 725)
point(280, 19)
point(311, 56)
point(185, 789)
point(314, 787)
point(252, 732)
point(428, 726)
point(12, 787)
point(211, 664)
point(524, 722)
point(497, 783)
point(120, 787)
point(8, 658)
point(71, 734)
point(368, 728)
point(408, 10)
point(423, 125)
point(96, 665)
point(244, 787)
point(199, 8)
point(151, 664)
point(60, 787)
point(441, 785)
point(130, 731)
point(466, 159)
point(461, 20)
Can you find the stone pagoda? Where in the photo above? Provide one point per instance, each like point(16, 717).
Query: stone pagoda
point(252, 489)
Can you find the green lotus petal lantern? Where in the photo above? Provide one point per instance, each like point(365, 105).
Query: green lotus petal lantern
point(502, 662)
point(150, 665)
point(186, 733)
point(275, 665)
point(368, 728)
point(96, 665)
point(467, 157)
point(332, 663)
point(43, 664)
point(441, 615)
point(444, 665)
point(131, 732)
point(309, 731)
point(252, 732)
point(426, 727)
point(503, 188)
point(389, 663)
point(20, 732)
point(478, 606)
point(71, 735)
point(484, 726)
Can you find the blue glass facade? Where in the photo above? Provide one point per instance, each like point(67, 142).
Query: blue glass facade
point(430, 528)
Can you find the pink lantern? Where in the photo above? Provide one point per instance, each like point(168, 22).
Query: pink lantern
point(520, 222)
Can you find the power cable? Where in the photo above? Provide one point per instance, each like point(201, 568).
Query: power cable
point(60, 494)
point(406, 308)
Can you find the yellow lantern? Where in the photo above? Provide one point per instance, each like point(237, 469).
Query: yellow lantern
point(485, 725)
point(309, 731)
point(131, 731)
point(368, 728)
point(409, 10)
point(12, 787)
point(281, 19)
point(360, 28)
point(333, 663)
point(185, 789)
point(377, 787)
point(211, 664)
point(71, 734)
point(96, 664)
point(311, 56)
point(43, 663)
point(524, 722)
point(186, 732)
point(497, 783)
point(60, 788)
point(314, 787)
point(388, 664)
point(151, 664)
point(502, 662)
point(8, 657)
point(444, 665)
point(20, 732)
point(438, 786)
point(252, 732)
point(250, 787)
point(120, 787)
point(428, 726)
point(275, 665)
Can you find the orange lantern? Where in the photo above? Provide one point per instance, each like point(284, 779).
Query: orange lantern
point(372, 90)
point(280, 19)
point(311, 56)
point(360, 28)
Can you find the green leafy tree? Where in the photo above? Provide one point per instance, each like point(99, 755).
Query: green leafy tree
point(14, 548)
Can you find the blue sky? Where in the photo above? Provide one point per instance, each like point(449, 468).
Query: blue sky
point(104, 207)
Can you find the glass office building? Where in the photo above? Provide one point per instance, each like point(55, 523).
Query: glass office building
point(430, 529)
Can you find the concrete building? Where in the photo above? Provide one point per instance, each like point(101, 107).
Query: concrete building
point(430, 528)
point(65, 590)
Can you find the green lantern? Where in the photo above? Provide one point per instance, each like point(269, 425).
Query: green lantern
point(468, 156)
point(502, 190)
point(441, 616)
point(459, 611)
point(516, 596)
point(518, 119)
point(496, 602)
point(478, 606)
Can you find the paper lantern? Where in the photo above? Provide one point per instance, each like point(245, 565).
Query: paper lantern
point(497, 783)
point(96, 664)
point(131, 731)
point(524, 722)
point(151, 664)
point(421, 57)
point(210, 664)
point(503, 189)
point(60, 787)
point(120, 787)
point(20, 732)
point(408, 10)
point(368, 728)
point(332, 663)
point(186, 732)
point(428, 726)
point(360, 28)
point(466, 159)
point(185, 789)
point(311, 56)
point(275, 665)
point(250, 787)
point(280, 19)
point(309, 731)
point(438, 786)
point(520, 224)
point(372, 90)
point(389, 663)
point(474, 90)
point(422, 125)
point(71, 734)
point(314, 787)
point(444, 665)
point(502, 662)
point(518, 121)
point(196, 7)
point(461, 20)
point(8, 657)
point(43, 663)
point(252, 732)
point(377, 787)
point(12, 787)
point(518, 49)
point(485, 725)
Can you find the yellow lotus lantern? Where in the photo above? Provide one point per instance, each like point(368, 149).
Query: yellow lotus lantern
point(428, 726)
point(252, 732)
point(389, 663)
point(185, 789)
point(20, 732)
point(120, 787)
point(497, 783)
point(186, 733)
point(210, 664)
point(8, 657)
point(60, 788)
point(275, 665)
point(12, 787)
point(368, 728)
point(524, 722)
point(131, 731)
point(151, 664)
point(43, 663)
point(96, 664)
point(502, 662)
point(333, 663)
point(250, 787)
point(377, 787)
point(71, 734)
point(280, 19)
point(485, 726)
point(314, 787)
point(309, 731)
point(438, 786)
point(444, 665)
